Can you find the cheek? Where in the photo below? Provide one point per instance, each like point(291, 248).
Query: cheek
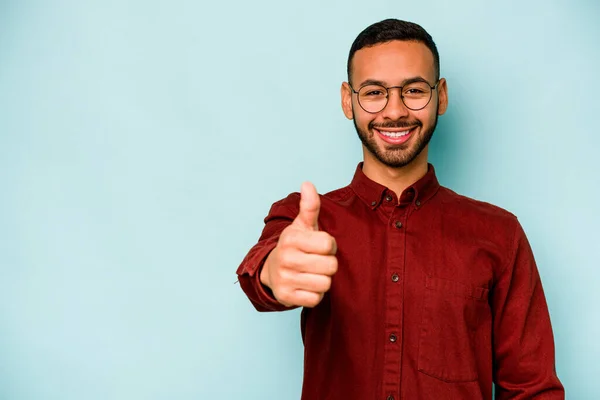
point(427, 117)
point(363, 119)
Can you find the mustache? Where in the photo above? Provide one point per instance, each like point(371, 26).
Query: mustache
point(396, 124)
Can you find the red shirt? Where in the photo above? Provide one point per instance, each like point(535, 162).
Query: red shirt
point(436, 296)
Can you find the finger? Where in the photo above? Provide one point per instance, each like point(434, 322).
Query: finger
point(311, 282)
point(310, 205)
point(306, 298)
point(310, 242)
point(313, 264)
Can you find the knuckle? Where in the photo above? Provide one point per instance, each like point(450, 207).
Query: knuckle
point(333, 265)
point(321, 241)
point(277, 292)
point(323, 236)
point(325, 284)
point(328, 266)
point(319, 284)
point(328, 243)
point(285, 258)
point(284, 278)
point(284, 295)
point(287, 238)
point(315, 299)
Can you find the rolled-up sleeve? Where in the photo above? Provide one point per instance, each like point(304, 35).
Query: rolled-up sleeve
point(281, 215)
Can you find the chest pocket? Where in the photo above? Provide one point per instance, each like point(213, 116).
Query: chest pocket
point(452, 313)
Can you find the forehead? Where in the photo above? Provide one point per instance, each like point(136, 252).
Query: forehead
point(392, 62)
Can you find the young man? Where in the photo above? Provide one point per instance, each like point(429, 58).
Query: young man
point(409, 290)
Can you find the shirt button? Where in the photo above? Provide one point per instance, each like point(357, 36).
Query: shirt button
point(393, 338)
point(388, 198)
point(395, 278)
point(373, 203)
point(398, 224)
point(418, 203)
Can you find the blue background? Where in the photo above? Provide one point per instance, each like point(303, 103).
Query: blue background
point(143, 142)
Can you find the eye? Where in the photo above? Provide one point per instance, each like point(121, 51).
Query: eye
point(373, 92)
point(417, 90)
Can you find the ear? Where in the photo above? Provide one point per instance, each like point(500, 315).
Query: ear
point(346, 94)
point(442, 96)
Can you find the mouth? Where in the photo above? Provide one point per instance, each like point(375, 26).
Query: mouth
point(395, 136)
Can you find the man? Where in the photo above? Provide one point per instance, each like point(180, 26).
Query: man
point(409, 290)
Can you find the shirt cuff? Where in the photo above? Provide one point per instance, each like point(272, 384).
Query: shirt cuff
point(249, 277)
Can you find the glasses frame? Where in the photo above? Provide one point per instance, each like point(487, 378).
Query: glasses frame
point(387, 97)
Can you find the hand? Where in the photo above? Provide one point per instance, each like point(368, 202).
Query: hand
point(299, 269)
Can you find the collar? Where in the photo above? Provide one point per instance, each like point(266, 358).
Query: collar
point(372, 193)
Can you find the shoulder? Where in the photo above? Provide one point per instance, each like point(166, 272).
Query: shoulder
point(339, 195)
point(289, 206)
point(482, 221)
point(464, 206)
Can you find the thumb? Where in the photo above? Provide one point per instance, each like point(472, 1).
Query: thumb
point(310, 204)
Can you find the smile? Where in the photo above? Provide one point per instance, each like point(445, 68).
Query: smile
point(395, 136)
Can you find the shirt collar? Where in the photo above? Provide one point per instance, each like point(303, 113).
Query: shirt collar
point(372, 193)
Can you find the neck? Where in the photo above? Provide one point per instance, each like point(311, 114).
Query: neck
point(395, 179)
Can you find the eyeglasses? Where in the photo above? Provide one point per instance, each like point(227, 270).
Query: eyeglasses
point(415, 96)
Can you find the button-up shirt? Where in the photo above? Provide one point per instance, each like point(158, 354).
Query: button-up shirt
point(436, 296)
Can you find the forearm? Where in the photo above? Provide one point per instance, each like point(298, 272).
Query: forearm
point(280, 216)
point(259, 295)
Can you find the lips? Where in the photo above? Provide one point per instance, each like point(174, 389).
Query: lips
point(395, 136)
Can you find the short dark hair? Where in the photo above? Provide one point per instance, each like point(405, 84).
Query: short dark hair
point(389, 30)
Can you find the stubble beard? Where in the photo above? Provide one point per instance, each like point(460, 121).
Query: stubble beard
point(400, 155)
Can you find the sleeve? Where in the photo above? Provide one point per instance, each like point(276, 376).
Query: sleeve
point(281, 215)
point(523, 342)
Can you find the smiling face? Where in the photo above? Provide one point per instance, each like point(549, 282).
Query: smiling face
point(395, 136)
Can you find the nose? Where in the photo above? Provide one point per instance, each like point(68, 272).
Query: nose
point(395, 108)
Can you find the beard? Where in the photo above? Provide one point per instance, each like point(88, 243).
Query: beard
point(400, 155)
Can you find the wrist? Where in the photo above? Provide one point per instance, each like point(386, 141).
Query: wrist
point(264, 272)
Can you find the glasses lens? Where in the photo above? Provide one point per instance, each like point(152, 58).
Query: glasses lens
point(372, 98)
point(416, 95)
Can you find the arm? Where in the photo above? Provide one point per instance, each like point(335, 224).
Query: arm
point(249, 272)
point(523, 343)
point(293, 262)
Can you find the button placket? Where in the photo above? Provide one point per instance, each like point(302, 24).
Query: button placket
point(394, 295)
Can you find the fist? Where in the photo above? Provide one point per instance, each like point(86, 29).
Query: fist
point(299, 270)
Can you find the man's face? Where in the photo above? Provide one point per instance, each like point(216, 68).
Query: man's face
point(396, 135)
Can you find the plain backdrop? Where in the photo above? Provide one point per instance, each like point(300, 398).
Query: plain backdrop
point(143, 142)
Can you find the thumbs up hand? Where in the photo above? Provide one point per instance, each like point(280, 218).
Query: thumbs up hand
point(299, 269)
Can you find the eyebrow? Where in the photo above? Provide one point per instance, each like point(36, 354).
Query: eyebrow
point(407, 81)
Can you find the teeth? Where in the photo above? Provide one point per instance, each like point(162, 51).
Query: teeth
point(394, 134)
